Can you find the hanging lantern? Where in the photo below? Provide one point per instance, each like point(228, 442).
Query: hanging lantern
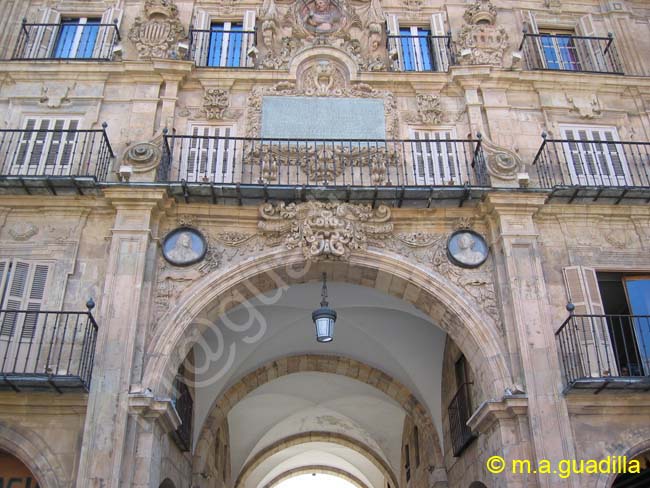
point(324, 318)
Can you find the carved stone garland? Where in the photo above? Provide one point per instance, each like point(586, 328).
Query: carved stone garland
point(481, 40)
point(156, 35)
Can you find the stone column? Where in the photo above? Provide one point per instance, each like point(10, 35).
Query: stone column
point(527, 316)
point(131, 247)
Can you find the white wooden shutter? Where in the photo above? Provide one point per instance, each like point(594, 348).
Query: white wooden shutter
point(17, 286)
point(249, 39)
point(34, 300)
point(596, 354)
point(210, 154)
point(438, 28)
point(106, 36)
point(591, 58)
point(535, 42)
point(394, 45)
point(46, 36)
point(435, 157)
point(200, 40)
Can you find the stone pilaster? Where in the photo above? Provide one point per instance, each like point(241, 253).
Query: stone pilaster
point(527, 317)
point(103, 450)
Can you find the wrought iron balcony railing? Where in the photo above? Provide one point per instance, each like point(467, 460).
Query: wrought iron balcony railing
point(420, 53)
point(593, 163)
point(55, 153)
point(184, 405)
point(599, 351)
point(71, 41)
point(324, 162)
point(460, 411)
point(220, 48)
point(570, 53)
point(45, 349)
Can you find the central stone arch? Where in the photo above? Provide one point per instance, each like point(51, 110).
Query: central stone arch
point(449, 306)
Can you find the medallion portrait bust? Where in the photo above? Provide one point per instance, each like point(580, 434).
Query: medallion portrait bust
point(467, 248)
point(321, 16)
point(184, 246)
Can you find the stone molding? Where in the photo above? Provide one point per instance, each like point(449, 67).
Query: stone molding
point(161, 410)
point(491, 411)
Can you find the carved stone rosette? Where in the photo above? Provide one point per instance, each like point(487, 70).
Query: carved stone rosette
point(156, 34)
point(325, 230)
point(481, 40)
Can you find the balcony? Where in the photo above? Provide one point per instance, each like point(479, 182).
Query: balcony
point(594, 169)
point(221, 48)
point(605, 351)
point(459, 413)
point(420, 53)
point(69, 41)
point(46, 350)
point(52, 159)
point(237, 169)
point(570, 53)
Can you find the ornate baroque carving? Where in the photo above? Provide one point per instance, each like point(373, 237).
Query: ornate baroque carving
point(586, 106)
point(325, 230)
point(431, 250)
point(501, 162)
point(215, 103)
point(429, 110)
point(481, 40)
point(56, 96)
point(156, 35)
point(23, 231)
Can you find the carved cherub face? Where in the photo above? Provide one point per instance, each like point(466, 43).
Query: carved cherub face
point(322, 5)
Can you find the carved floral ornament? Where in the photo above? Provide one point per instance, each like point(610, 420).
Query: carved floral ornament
point(481, 40)
point(156, 34)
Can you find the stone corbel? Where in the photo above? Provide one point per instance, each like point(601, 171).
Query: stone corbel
point(490, 411)
point(146, 406)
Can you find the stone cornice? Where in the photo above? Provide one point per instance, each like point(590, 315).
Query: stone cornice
point(162, 410)
point(491, 411)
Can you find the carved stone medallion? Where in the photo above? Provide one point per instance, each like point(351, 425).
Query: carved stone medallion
point(156, 35)
point(325, 230)
point(481, 40)
point(184, 246)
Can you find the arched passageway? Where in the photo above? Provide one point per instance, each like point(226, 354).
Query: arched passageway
point(250, 328)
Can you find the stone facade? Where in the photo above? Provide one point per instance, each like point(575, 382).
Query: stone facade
point(105, 239)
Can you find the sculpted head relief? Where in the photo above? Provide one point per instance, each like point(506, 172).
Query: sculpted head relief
point(321, 16)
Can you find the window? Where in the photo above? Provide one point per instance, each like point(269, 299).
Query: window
point(222, 43)
point(46, 147)
point(626, 299)
point(77, 38)
point(419, 48)
point(209, 154)
point(559, 50)
point(436, 158)
point(593, 157)
point(23, 286)
point(57, 37)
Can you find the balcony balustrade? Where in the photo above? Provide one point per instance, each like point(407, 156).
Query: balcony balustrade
point(38, 152)
point(70, 41)
point(459, 413)
point(221, 48)
point(605, 351)
point(570, 53)
point(45, 349)
point(420, 52)
point(609, 167)
point(273, 164)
